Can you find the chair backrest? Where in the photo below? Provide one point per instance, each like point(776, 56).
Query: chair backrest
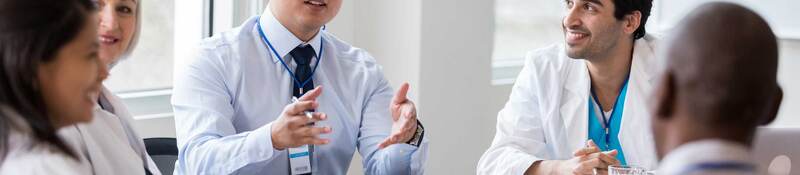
point(164, 152)
point(777, 150)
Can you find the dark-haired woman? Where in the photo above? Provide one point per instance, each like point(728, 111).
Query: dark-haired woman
point(50, 78)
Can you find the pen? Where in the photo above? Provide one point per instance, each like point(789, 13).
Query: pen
point(308, 114)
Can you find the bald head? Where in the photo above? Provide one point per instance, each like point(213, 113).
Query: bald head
point(724, 59)
point(720, 77)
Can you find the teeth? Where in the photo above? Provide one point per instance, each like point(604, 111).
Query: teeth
point(575, 36)
point(316, 3)
point(107, 40)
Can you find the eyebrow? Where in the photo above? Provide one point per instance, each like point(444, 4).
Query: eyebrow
point(598, 2)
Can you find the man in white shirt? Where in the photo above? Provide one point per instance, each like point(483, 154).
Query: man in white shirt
point(577, 108)
point(235, 112)
point(719, 85)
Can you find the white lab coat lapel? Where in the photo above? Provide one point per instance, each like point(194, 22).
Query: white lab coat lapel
point(573, 108)
point(636, 136)
point(636, 139)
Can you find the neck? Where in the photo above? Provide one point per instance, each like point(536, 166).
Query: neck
point(303, 32)
point(609, 72)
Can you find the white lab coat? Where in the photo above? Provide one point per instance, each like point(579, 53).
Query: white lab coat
point(31, 157)
point(109, 142)
point(546, 116)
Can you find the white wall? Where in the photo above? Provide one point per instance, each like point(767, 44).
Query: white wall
point(789, 114)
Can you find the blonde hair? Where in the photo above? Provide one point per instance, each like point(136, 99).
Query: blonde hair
point(135, 38)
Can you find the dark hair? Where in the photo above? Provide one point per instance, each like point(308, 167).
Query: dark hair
point(625, 7)
point(31, 33)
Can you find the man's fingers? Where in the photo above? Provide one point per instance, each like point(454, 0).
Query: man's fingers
point(612, 153)
point(302, 120)
point(314, 141)
point(386, 142)
point(409, 111)
point(609, 157)
point(400, 96)
point(300, 107)
point(316, 116)
point(389, 141)
point(311, 95)
point(602, 171)
point(590, 143)
point(586, 151)
point(313, 131)
point(587, 167)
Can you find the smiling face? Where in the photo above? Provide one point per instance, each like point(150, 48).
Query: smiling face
point(118, 20)
point(590, 28)
point(70, 83)
point(305, 15)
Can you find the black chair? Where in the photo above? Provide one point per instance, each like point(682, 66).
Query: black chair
point(164, 152)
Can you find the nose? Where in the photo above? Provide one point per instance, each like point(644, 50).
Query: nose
point(107, 19)
point(572, 18)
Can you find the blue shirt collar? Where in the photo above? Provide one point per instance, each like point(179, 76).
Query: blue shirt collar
point(281, 38)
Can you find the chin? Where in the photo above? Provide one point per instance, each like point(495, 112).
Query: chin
point(575, 53)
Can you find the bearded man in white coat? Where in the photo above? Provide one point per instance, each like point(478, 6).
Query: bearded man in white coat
point(579, 107)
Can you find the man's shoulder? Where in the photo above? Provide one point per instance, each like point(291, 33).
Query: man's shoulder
point(344, 51)
point(551, 59)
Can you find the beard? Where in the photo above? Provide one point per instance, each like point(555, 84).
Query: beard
point(598, 43)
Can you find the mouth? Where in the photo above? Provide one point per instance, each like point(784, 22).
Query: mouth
point(318, 3)
point(573, 37)
point(108, 39)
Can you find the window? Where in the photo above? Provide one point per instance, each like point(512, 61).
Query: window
point(522, 26)
point(150, 65)
point(144, 80)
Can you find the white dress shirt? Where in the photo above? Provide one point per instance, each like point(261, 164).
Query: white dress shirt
point(233, 88)
point(109, 143)
point(30, 157)
point(684, 159)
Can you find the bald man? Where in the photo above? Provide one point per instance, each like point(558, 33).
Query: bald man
point(719, 85)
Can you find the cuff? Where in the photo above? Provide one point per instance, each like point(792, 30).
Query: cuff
point(260, 142)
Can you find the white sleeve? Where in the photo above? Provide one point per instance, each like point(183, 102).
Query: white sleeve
point(208, 142)
point(520, 139)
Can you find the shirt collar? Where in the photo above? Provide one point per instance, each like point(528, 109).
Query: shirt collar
point(281, 38)
point(703, 151)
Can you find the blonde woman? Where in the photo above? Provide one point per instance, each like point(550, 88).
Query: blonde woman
point(109, 142)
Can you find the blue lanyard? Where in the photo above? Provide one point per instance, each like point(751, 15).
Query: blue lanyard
point(716, 166)
point(294, 78)
point(607, 122)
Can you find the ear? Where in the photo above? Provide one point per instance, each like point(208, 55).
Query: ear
point(632, 22)
point(663, 98)
point(776, 104)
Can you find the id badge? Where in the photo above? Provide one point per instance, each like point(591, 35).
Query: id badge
point(300, 160)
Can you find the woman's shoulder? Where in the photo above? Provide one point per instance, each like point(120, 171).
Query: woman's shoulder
point(25, 156)
point(41, 159)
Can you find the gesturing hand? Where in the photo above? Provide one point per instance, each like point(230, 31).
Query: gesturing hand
point(404, 119)
point(292, 128)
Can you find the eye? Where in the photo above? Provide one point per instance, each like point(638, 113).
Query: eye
point(589, 7)
point(570, 4)
point(98, 3)
point(124, 10)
